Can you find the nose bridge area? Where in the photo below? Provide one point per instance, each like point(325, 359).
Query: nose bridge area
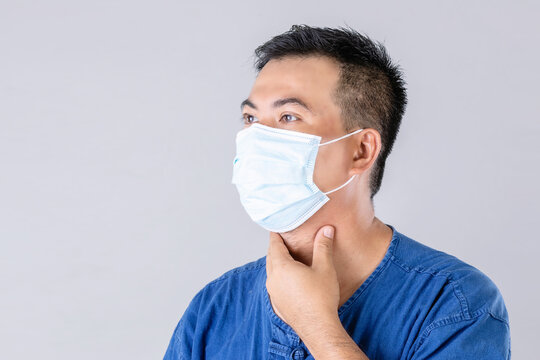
point(268, 121)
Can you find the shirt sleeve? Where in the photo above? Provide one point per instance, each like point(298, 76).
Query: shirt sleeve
point(484, 337)
point(181, 343)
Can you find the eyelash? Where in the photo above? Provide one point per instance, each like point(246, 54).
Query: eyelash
point(243, 118)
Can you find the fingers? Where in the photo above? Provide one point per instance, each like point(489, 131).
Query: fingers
point(323, 248)
point(277, 251)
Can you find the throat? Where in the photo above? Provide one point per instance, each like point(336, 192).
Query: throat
point(355, 267)
point(356, 254)
point(300, 247)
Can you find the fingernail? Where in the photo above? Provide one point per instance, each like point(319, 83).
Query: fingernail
point(329, 232)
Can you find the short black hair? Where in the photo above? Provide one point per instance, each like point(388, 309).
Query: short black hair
point(371, 89)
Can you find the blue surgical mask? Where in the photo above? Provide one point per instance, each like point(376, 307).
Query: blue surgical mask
point(273, 172)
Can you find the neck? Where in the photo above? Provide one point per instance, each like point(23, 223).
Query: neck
point(360, 242)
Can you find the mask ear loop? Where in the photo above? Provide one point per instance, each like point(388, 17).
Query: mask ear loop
point(342, 137)
point(332, 141)
point(339, 187)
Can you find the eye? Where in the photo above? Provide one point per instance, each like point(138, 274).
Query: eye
point(289, 118)
point(248, 119)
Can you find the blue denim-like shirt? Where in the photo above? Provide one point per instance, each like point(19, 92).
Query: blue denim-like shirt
point(419, 303)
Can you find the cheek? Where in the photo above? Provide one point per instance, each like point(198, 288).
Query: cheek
point(331, 167)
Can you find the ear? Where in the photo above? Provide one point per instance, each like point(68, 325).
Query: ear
point(367, 146)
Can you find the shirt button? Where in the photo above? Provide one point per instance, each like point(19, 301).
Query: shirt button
point(298, 353)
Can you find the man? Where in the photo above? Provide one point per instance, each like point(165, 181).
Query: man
point(337, 282)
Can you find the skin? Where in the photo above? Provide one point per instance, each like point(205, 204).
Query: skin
point(310, 275)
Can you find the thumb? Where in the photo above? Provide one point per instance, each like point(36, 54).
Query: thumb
point(323, 248)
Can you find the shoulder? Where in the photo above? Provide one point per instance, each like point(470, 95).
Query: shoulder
point(240, 275)
point(244, 282)
point(216, 303)
point(471, 291)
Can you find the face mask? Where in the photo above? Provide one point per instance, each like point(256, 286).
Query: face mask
point(273, 172)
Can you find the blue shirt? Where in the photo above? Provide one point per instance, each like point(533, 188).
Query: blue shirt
point(419, 303)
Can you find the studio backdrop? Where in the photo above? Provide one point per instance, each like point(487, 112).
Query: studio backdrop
point(117, 128)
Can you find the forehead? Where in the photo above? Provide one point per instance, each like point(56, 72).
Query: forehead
point(312, 78)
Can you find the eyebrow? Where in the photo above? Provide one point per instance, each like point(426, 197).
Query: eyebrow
point(248, 103)
point(277, 103)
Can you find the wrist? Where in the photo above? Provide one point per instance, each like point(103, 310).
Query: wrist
point(330, 340)
point(317, 325)
point(324, 333)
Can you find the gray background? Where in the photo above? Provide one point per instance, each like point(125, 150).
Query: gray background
point(117, 124)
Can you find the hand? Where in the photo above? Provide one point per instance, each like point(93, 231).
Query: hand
point(305, 297)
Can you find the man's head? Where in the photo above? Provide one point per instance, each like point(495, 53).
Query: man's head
point(329, 82)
